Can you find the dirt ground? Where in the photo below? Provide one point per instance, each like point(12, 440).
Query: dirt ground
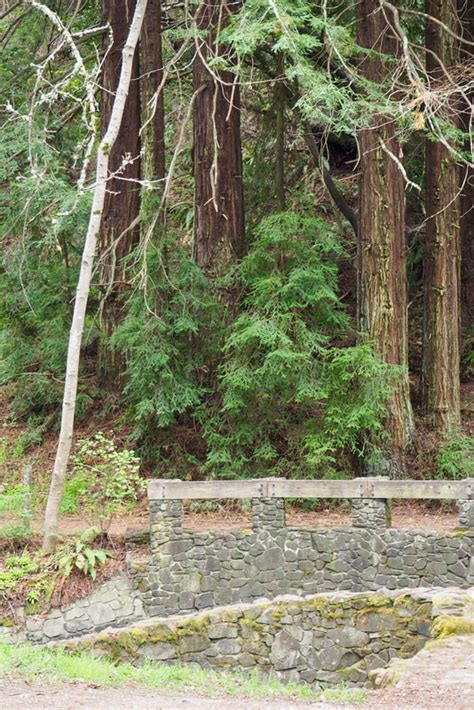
point(439, 677)
point(17, 695)
point(415, 515)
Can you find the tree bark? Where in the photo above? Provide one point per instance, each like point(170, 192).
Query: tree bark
point(466, 16)
point(82, 293)
point(152, 110)
point(382, 287)
point(440, 373)
point(217, 154)
point(279, 101)
point(122, 201)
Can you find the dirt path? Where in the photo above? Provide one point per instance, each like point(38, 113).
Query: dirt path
point(441, 676)
point(416, 515)
point(18, 695)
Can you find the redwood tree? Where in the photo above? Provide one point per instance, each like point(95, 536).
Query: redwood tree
point(152, 109)
point(119, 230)
point(467, 178)
point(440, 375)
point(217, 153)
point(382, 287)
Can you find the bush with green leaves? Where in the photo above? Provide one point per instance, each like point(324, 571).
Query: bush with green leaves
point(455, 459)
point(292, 400)
point(109, 478)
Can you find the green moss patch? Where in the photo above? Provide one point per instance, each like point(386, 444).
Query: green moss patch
point(445, 626)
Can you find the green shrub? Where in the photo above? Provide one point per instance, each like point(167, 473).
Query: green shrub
point(12, 500)
point(16, 568)
point(455, 459)
point(16, 534)
point(106, 480)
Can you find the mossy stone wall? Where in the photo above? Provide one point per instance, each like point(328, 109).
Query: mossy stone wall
point(335, 637)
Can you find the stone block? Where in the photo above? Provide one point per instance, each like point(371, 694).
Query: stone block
point(376, 622)
point(78, 626)
point(284, 651)
point(270, 559)
point(205, 600)
point(466, 513)
point(159, 651)
point(437, 568)
point(335, 658)
point(349, 637)
point(222, 630)
point(33, 625)
point(101, 614)
point(193, 643)
point(54, 628)
point(186, 600)
point(228, 646)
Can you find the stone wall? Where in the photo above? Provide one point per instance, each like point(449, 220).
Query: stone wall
point(197, 570)
point(341, 636)
point(114, 603)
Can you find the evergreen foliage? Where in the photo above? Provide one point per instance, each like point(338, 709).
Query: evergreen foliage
point(291, 399)
point(278, 382)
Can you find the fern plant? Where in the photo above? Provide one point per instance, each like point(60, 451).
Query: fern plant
point(81, 557)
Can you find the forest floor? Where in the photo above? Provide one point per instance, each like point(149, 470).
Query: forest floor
point(439, 676)
point(404, 515)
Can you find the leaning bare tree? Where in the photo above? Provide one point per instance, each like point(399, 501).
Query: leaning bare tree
point(82, 292)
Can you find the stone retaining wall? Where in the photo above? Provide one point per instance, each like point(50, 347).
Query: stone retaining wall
point(330, 638)
point(114, 603)
point(197, 570)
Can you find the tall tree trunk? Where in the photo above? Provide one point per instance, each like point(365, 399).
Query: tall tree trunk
point(106, 146)
point(279, 101)
point(219, 208)
point(152, 110)
point(382, 292)
point(119, 232)
point(440, 374)
point(466, 12)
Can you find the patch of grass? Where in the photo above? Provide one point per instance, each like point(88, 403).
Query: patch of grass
point(44, 665)
point(343, 695)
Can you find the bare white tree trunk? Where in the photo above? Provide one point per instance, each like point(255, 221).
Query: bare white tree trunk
point(82, 292)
